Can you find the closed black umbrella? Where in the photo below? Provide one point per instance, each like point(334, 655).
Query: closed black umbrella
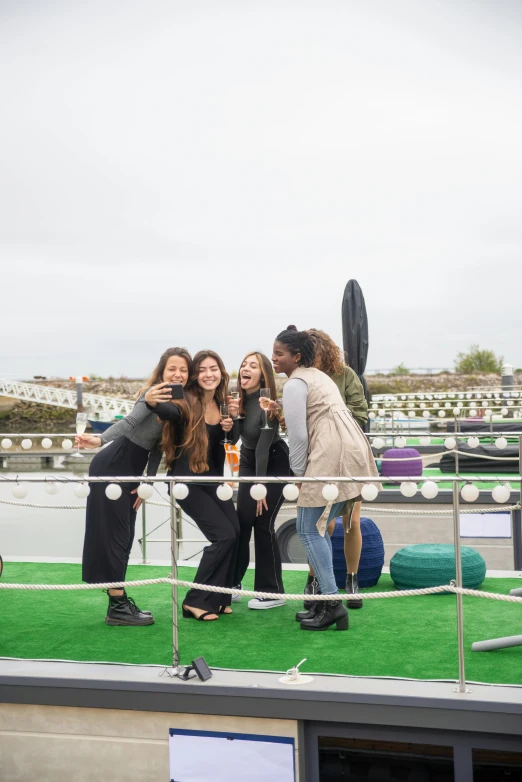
point(355, 331)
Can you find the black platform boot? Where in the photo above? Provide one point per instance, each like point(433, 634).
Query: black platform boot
point(124, 611)
point(308, 614)
point(311, 588)
point(352, 588)
point(329, 612)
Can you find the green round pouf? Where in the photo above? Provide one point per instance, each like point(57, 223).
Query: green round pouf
point(433, 564)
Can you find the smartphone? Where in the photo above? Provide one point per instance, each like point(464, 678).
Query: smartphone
point(176, 390)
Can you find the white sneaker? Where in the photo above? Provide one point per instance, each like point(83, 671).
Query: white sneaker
point(265, 602)
point(236, 598)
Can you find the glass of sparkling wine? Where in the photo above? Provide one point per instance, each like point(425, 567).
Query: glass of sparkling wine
point(81, 426)
point(223, 409)
point(264, 401)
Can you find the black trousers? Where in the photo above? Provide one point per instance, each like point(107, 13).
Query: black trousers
point(109, 524)
point(268, 577)
point(218, 522)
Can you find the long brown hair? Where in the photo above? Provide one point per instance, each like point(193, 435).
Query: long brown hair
point(157, 373)
point(267, 380)
point(195, 441)
point(329, 354)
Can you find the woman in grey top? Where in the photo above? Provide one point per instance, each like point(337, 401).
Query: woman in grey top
point(133, 446)
point(262, 453)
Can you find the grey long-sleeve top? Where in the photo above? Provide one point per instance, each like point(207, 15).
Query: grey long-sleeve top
point(295, 396)
point(141, 427)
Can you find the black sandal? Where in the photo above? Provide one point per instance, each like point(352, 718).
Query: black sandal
point(223, 611)
point(201, 618)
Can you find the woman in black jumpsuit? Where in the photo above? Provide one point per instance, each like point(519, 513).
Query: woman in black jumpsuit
point(263, 452)
point(193, 446)
point(134, 444)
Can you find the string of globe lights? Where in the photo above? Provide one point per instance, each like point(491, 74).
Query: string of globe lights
point(408, 486)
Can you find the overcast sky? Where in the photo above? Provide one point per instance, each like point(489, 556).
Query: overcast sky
point(204, 172)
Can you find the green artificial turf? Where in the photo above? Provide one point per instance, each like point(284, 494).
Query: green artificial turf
point(413, 637)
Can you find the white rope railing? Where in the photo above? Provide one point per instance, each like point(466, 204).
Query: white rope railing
point(435, 590)
point(365, 508)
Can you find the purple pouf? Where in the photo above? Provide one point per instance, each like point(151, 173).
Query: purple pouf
point(412, 467)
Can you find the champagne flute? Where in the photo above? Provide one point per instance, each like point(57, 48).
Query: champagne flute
point(233, 392)
point(81, 426)
point(264, 401)
point(223, 409)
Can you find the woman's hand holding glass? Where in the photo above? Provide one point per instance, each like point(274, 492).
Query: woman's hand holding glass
point(157, 394)
point(87, 441)
point(233, 407)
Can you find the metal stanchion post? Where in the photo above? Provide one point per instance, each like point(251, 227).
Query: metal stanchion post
point(174, 565)
point(143, 533)
point(457, 431)
point(516, 518)
point(458, 580)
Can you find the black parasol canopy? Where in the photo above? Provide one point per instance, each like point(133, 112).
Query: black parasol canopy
point(355, 330)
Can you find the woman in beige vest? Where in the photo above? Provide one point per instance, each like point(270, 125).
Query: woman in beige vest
point(324, 441)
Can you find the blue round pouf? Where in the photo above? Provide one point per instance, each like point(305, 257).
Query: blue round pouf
point(433, 564)
point(372, 554)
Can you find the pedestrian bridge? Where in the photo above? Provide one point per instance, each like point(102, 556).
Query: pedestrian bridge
point(63, 397)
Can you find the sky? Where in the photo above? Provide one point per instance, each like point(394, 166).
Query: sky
point(205, 172)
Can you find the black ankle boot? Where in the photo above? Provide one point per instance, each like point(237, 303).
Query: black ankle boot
point(329, 613)
point(352, 588)
point(311, 588)
point(124, 611)
point(308, 614)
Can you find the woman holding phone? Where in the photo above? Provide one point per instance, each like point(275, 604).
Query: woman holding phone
point(329, 359)
point(134, 444)
point(193, 444)
point(324, 440)
point(263, 452)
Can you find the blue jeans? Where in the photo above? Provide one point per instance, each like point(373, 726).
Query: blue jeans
point(318, 548)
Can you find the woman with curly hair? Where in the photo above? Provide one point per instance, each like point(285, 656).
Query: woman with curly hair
point(329, 359)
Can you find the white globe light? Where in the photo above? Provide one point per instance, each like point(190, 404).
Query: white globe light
point(473, 412)
point(460, 404)
point(442, 414)
point(375, 407)
point(47, 443)
point(488, 411)
point(421, 396)
point(450, 443)
point(6, 443)
point(408, 489)
point(26, 444)
point(378, 442)
point(20, 490)
point(501, 493)
point(51, 487)
point(429, 490)
point(504, 411)
point(429, 396)
point(258, 491)
point(411, 404)
point(468, 396)
point(382, 412)
point(67, 445)
point(436, 404)
point(113, 491)
point(423, 405)
point(501, 442)
point(511, 403)
point(424, 441)
point(489, 396)
point(387, 404)
point(456, 411)
point(145, 491)
point(426, 414)
point(224, 492)
point(473, 442)
point(330, 492)
point(400, 442)
point(403, 397)
point(290, 492)
point(469, 492)
point(180, 491)
point(412, 413)
point(82, 490)
point(371, 416)
point(369, 492)
point(447, 404)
